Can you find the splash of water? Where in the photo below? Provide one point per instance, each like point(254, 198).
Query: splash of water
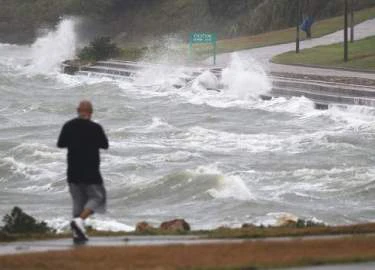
point(247, 80)
point(50, 50)
point(167, 50)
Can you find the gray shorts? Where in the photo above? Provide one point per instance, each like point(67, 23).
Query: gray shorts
point(91, 197)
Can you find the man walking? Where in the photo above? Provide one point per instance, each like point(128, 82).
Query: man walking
point(83, 138)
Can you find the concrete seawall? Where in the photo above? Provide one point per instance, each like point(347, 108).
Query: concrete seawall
point(322, 92)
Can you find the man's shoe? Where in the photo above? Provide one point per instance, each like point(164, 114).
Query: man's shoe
point(79, 241)
point(78, 229)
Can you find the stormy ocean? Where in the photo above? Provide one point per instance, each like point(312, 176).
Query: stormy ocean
point(213, 158)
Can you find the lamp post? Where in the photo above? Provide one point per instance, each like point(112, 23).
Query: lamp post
point(352, 21)
point(346, 58)
point(298, 26)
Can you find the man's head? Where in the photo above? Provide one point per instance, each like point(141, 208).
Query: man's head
point(85, 110)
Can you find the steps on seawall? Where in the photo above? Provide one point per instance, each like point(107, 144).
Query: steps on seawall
point(325, 98)
point(125, 69)
point(109, 70)
point(327, 87)
point(324, 93)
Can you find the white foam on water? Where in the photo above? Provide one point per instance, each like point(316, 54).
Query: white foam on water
point(276, 219)
point(226, 186)
point(222, 141)
point(154, 159)
point(13, 57)
point(231, 187)
point(37, 167)
point(50, 50)
point(294, 105)
point(7, 45)
point(81, 80)
point(158, 123)
point(109, 225)
point(315, 185)
point(353, 117)
point(62, 225)
point(35, 189)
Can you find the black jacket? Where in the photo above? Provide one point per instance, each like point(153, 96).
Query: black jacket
point(83, 138)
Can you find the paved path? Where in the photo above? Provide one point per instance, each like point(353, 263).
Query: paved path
point(67, 244)
point(265, 54)
point(359, 266)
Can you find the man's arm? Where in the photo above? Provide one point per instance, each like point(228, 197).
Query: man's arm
point(62, 142)
point(102, 139)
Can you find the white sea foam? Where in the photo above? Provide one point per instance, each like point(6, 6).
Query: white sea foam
point(109, 225)
point(79, 80)
point(158, 123)
point(222, 141)
point(61, 225)
point(353, 117)
point(231, 187)
point(38, 164)
point(226, 186)
point(295, 105)
point(7, 45)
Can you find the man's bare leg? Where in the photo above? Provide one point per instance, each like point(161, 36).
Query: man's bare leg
point(86, 213)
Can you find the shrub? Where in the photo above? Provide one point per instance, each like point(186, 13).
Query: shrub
point(19, 222)
point(100, 48)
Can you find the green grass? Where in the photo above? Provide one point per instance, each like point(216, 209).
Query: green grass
point(361, 56)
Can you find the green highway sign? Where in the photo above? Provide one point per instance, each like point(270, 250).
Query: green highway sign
point(203, 38)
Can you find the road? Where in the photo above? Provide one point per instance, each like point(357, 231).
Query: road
point(360, 266)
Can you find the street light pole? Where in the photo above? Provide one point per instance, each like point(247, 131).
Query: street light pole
point(346, 58)
point(298, 26)
point(352, 21)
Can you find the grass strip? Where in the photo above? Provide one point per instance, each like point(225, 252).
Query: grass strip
point(361, 56)
point(247, 255)
point(266, 232)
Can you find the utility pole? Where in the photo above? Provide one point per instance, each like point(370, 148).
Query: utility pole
point(346, 51)
point(352, 21)
point(298, 26)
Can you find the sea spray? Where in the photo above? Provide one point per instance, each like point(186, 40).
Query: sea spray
point(247, 79)
point(49, 51)
point(168, 50)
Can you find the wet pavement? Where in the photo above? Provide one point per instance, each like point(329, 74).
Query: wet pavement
point(67, 244)
point(359, 266)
